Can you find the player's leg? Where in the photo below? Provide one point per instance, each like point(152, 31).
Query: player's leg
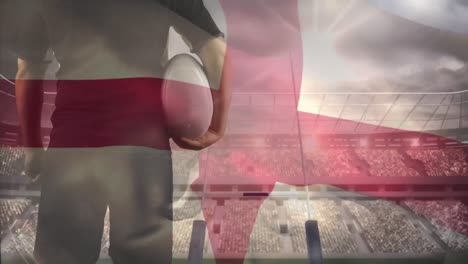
point(139, 194)
point(71, 210)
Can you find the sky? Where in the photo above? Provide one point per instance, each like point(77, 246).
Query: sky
point(368, 46)
point(374, 45)
point(385, 47)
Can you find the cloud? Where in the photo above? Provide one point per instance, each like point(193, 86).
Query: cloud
point(444, 14)
point(391, 53)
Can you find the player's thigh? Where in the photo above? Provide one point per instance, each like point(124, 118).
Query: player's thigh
point(71, 209)
point(139, 195)
point(138, 180)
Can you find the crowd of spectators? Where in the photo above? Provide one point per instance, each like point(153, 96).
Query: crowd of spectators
point(386, 163)
point(286, 163)
point(335, 236)
point(9, 210)
point(182, 227)
point(237, 234)
point(333, 163)
point(387, 228)
point(442, 162)
point(255, 162)
point(449, 220)
point(380, 162)
point(266, 237)
point(183, 223)
point(22, 238)
point(337, 162)
point(384, 226)
point(235, 229)
point(182, 232)
point(297, 213)
point(11, 160)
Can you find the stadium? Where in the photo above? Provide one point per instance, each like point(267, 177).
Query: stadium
point(304, 174)
point(421, 216)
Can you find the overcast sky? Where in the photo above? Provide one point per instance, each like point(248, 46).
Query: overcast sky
point(386, 47)
point(367, 45)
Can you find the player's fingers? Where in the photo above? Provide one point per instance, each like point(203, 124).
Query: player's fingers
point(195, 144)
point(208, 139)
point(187, 143)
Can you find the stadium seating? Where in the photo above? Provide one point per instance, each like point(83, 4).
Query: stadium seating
point(387, 228)
point(266, 237)
point(442, 162)
point(11, 159)
point(333, 163)
point(386, 163)
point(9, 210)
point(254, 162)
point(235, 233)
point(286, 163)
point(449, 220)
point(384, 226)
point(335, 236)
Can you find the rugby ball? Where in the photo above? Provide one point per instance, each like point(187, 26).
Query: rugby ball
point(186, 97)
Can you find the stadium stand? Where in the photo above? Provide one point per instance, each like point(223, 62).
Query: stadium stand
point(234, 238)
point(9, 210)
point(266, 237)
point(182, 229)
point(336, 238)
point(386, 163)
point(11, 159)
point(442, 162)
point(334, 163)
point(387, 229)
point(231, 163)
point(338, 162)
point(449, 220)
point(23, 236)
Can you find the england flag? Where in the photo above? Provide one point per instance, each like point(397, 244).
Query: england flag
point(339, 107)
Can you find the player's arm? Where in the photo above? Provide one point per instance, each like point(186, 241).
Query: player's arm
point(30, 44)
point(215, 59)
point(29, 98)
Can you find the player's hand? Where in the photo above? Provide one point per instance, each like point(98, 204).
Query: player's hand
point(33, 163)
point(209, 138)
point(215, 58)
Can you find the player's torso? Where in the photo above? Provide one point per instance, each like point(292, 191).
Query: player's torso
point(107, 39)
point(111, 56)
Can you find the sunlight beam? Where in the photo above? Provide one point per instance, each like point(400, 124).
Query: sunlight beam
point(316, 13)
point(356, 23)
point(349, 5)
